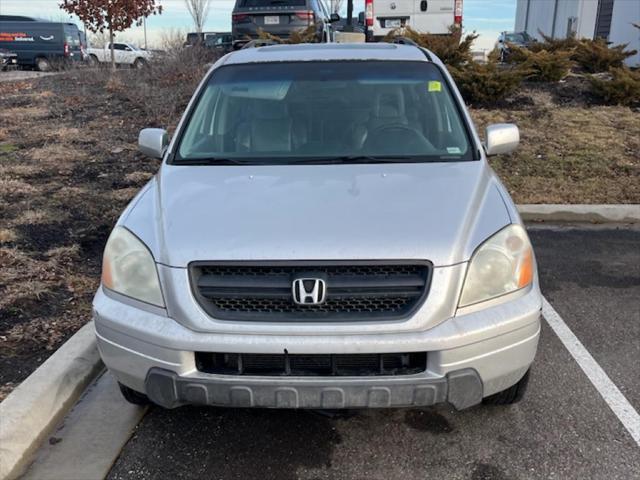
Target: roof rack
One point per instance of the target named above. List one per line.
(404, 41)
(261, 42)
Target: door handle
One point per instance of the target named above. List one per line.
(424, 5)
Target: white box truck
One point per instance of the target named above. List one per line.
(425, 16)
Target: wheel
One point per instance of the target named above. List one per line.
(511, 395)
(43, 64)
(131, 396)
(139, 63)
(93, 61)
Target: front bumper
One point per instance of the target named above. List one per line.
(469, 357)
(462, 389)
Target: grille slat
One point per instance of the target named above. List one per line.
(326, 365)
(355, 291)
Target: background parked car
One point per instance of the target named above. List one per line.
(519, 39)
(222, 43)
(280, 18)
(433, 16)
(197, 38)
(39, 43)
(125, 54)
(8, 60)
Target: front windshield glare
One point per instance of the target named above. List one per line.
(335, 111)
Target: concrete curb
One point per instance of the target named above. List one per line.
(581, 213)
(34, 408)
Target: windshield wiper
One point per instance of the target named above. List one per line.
(214, 161)
(346, 159)
(337, 160)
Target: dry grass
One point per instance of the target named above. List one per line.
(11, 116)
(7, 235)
(571, 154)
(68, 166)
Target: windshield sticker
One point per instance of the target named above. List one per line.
(435, 86)
(454, 150)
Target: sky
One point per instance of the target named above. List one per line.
(486, 17)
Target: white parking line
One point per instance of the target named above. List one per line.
(610, 393)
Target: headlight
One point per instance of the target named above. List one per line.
(128, 268)
(502, 264)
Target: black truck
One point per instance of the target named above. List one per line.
(40, 44)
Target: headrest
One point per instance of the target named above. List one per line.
(390, 104)
(269, 110)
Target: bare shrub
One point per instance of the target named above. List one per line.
(543, 65)
(452, 49)
(597, 56)
(551, 44)
(308, 35)
(620, 87)
(163, 90)
(488, 83)
(591, 55)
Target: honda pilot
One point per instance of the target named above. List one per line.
(324, 232)
(281, 18)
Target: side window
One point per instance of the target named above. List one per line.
(118, 46)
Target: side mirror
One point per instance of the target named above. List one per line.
(501, 138)
(361, 18)
(334, 17)
(153, 142)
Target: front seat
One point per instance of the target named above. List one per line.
(270, 129)
(388, 109)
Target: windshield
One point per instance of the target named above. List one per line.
(328, 111)
(515, 37)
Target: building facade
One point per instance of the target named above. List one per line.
(610, 19)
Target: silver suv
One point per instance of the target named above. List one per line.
(324, 232)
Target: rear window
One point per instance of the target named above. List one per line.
(72, 36)
(272, 3)
(336, 111)
(515, 37)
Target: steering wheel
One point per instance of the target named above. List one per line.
(414, 136)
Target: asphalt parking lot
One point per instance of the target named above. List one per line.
(563, 429)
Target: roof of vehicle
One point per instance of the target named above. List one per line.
(326, 51)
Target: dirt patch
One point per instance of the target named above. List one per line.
(68, 167)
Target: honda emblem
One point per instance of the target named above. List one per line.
(309, 291)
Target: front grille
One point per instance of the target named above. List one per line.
(311, 365)
(355, 291)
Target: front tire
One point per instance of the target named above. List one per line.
(140, 63)
(511, 395)
(132, 396)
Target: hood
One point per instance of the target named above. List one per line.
(434, 211)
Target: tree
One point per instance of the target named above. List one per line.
(199, 10)
(336, 6)
(111, 15)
